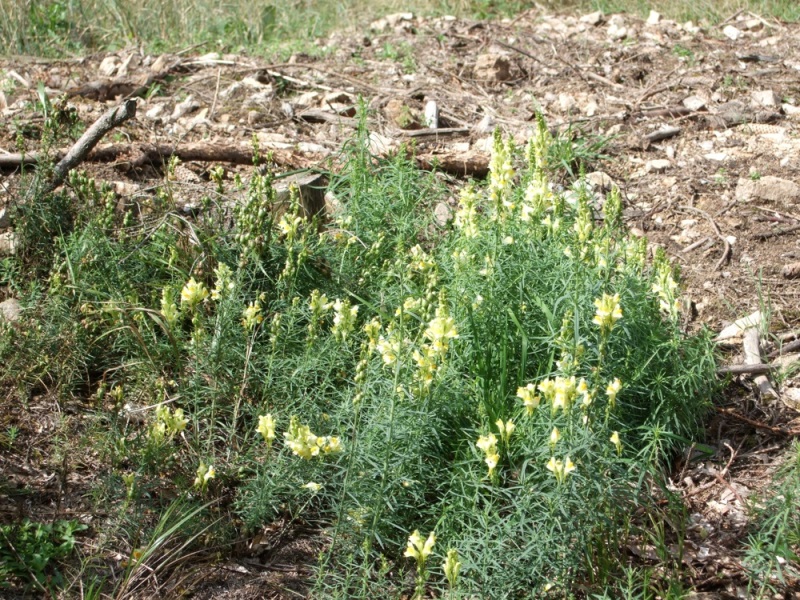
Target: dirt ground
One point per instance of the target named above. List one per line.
(702, 128)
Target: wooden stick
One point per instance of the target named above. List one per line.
(111, 119)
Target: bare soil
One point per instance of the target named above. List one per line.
(706, 193)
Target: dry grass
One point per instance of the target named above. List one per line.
(57, 27)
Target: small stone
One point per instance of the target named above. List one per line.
(653, 18)
(591, 108)
(8, 243)
(694, 103)
(600, 181)
(773, 189)
(616, 28)
(593, 19)
(791, 270)
(732, 33)
(182, 108)
(5, 220)
(442, 214)
(492, 67)
(486, 125)
(790, 109)
(155, 112)
(566, 102)
(765, 98)
(753, 24)
(392, 21)
(108, 66)
(400, 114)
(658, 165)
(11, 310)
(716, 156)
(338, 98)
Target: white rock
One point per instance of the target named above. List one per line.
(738, 327)
(8, 243)
(790, 109)
(598, 180)
(108, 66)
(732, 32)
(5, 221)
(592, 19)
(486, 125)
(769, 188)
(690, 27)
(658, 165)
(694, 103)
(616, 28)
(306, 100)
(566, 102)
(182, 108)
(11, 310)
(154, 112)
(716, 156)
(653, 18)
(765, 98)
(591, 108)
(442, 214)
(431, 115)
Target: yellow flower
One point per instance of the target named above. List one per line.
(487, 443)
(193, 293)
(616, 441)
(266, 427)
(440, 331)
(332, 444)
(491, 461)
(223, 282)
(313, 487)
(505, 429)
(555, 435)
(608, 312)
(251, 316)
(417, 549)
(451, 567)
(529, 399)
(564, 389)
(388, 349)
(344, 319)
(205, 473)
(560, 469)
(612, 390)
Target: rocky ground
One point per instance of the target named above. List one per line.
(700, 126)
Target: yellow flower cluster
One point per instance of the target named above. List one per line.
(561, 392)
(251, 316)
(529, 398)
(612, 390)
(305, 444)
(193, 293)
(440, 331)
(344, 319)
(205, 473)
(608, 312)
(466, 218)
(223, 282)
(665, 287)
(501, 174)
(560, 468)
(420, 260)
(168, 423)
(488, 445)
(419, 550)
(266, 427)
(288, 225)
(168, 308)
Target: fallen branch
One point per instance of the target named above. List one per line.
(142, 154)
(726, 253)
(777, 232)
(111, 119)
(752, 357)
(755, 369)
(757, 424)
